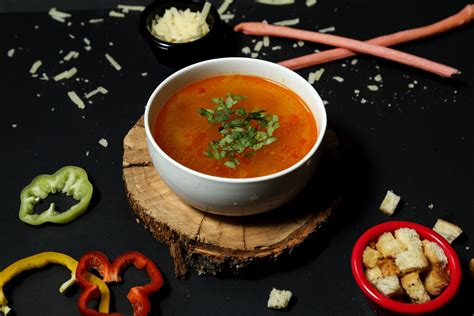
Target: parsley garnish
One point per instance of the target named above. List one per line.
(242, 132)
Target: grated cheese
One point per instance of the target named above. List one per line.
(266, 41)
(224, 6)
(35, 66)
(254, 55)
(127, 8)
(258, 46)
(310, 3)
(227, 17)
(72, 54)
(327, 29)
(318, 74)
(103, 142)
(116, 14)
(92, 21)
(44, 76)
(178, 26)
(76, 100)
(58, 15)
(144, 74)
(276, 2)
(95, 91)
(311, 77)
(373, 87)
(66, 74)
(300, 43)
(113, 62)
(378, 78)
(87, 48)
(354, 62)
(277, 47)
(72, 36)
(11, 52)
(246, 50)
(338, 78)
(287, 22)
(86, 40)
(411, 85)
(363, 101)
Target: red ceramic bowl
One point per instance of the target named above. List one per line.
(454, 268)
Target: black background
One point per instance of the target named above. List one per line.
(417, 142)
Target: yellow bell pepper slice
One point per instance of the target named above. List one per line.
(42, 259)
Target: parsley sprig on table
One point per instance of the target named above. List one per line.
(242, 132)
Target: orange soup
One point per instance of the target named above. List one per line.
(185, 134)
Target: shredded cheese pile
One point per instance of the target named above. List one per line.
(178, 26)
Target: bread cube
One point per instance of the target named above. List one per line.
(279, 299)
(447, 230)
(388, 267)
(434, 253)
(411, 260)
(413, 286)
(409, 237)
(370, 257)
(389, 203)
(389, 286)
(373, 274)
(436, 280)
(388, 246)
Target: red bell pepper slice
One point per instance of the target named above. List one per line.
(110, 272)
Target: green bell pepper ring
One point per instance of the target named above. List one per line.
(69, 180)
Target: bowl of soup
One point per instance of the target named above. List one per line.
(235, 136)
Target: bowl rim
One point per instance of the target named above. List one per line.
(321, 127)
(454, 266)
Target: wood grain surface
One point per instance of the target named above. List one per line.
(212, 244)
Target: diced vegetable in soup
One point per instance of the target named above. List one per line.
(236, 126)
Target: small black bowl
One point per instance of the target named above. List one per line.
(183, 54)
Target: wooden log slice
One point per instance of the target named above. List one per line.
(214, 244)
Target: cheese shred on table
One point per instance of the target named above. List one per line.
(224, 6)
(66, 74)
(76, 100)
(276, 2)
(178, 26)
(288, 22)
(35, 66)
(113, 62)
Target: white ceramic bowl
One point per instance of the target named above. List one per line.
(229, 196)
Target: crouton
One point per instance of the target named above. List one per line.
(434, 253)
(279, 299)
(373, 274)
(409, 237)
(389, 286)
(447, 230)
(370, 257)
(436, 280)
(411, 260)
(388, 246)
(388, 267)
(389, 203)
(413, 286)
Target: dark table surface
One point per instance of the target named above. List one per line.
(417, 141)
